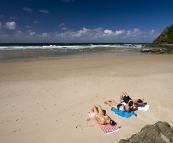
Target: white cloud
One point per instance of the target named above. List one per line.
(135, 30)
(0, 25)
(100, 35)
(83, 33)
(18, 32)
(64, 28)
(27, 26)
(154, 34)
(152, 31)
(62, 24)
(98, 30)
(44, 35)
(128, 32)
(32, 33)
(35, 22)
(1, 16)
(43, 11)
(108, 32)
(27, 9)
(10, 25)
(86, 35)
(119, 32)
(134, 33)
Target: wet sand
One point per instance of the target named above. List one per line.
(31, 55)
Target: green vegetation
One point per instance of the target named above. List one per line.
(166, 37)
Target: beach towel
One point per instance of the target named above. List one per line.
(107, 129)
(124, 114)
(144, 107)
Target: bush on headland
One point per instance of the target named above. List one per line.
(161, 132)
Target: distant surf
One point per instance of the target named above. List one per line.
(45, 51)
(69, 46)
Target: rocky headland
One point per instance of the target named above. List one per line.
(162, 44)
(161, 132)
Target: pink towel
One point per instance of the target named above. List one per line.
(107, 129)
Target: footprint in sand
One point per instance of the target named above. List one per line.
(90, 123)
(59, 120)
(80, 128)
(169, 104)
(155, 102)
(76, 113)
(161, 108)
(17, 130)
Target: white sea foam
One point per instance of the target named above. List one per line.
(74, 47)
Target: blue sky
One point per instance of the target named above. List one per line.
(116, 21)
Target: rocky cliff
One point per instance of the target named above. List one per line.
(161, 132)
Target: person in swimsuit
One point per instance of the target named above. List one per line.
(126, 107)
(100, 116)
(124, 97)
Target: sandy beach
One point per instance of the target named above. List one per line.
(49, 101)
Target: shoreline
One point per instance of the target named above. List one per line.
(42, 55)
(46, 101)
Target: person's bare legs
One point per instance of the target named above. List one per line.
(109, 101)
(125, 94)
(112, 103)
(122, 95)
(94, 110)
(100, 109)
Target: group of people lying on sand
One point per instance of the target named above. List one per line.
(126, 104)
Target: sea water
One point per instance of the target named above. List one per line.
(13, 52)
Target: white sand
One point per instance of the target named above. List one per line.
(48, 101)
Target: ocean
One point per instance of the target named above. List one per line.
(19, 52)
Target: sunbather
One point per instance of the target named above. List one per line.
(124, 97)
(101, 117)
(126, 107)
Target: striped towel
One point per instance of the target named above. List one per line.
(107, 129)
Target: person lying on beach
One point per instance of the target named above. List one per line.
(101, 117)
(120, 106)
(124, 97)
